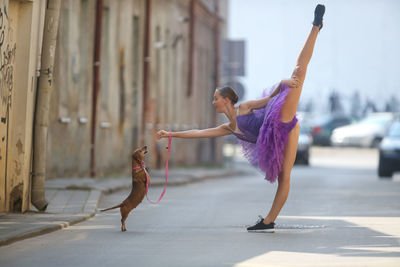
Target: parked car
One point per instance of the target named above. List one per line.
(304, 145)
(365, 133)
(389, 151)
(305, 139)
(322, 129)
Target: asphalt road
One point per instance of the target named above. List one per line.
(339, 213)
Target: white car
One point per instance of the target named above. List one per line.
(365, 133)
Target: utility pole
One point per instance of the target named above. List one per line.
(96, 83)
(43, 103)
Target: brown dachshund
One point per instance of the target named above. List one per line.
(138, 186)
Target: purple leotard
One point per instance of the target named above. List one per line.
(264, 134)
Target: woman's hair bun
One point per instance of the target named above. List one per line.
(228, 92)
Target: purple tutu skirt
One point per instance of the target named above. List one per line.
(267, 152)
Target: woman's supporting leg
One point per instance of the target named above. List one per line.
(289, 108)
(282, 192)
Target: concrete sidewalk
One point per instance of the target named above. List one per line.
(73, 200)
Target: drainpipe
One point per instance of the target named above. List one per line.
(191, 46)
(43, 95)
(216, 74)
(217, 50)
(96, 83)
(146, 66)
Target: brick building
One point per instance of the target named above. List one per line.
(158, 68)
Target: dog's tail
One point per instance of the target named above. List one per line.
(115, 207)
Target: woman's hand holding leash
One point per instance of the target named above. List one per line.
(162, 134)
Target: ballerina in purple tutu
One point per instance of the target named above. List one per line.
(266, 128)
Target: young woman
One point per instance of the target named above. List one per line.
(266, 128)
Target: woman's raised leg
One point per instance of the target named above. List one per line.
(289, 108)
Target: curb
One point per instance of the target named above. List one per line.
(43, 230)
(88, 212)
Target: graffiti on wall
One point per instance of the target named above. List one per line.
(8, 48)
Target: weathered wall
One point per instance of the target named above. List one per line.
(172, 103)
(175, 104)
(120, 110)
(19, 45)
(69, 125)
(119, 105)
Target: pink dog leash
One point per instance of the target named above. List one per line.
(166, 173)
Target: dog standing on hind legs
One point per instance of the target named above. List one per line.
(139, 179)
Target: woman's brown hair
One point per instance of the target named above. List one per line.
(228, 92)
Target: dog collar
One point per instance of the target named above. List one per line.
(140, 167)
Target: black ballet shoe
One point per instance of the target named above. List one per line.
(318, 16)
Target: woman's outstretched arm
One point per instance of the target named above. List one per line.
(205, 133)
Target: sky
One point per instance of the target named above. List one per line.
(358, 48)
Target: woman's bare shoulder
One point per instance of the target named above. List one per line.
(245, 107)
